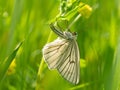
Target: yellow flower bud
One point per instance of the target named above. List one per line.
(85, 10)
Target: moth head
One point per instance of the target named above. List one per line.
(74, 33)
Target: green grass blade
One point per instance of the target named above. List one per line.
(116, 69)
(5, 65)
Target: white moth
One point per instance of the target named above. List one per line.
(63, 54)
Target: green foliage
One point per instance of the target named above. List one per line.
(98, 40)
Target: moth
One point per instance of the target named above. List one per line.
(63, 54)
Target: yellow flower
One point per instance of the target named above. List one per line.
(11, 68)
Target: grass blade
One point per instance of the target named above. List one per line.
(116, 69)
(5, 65)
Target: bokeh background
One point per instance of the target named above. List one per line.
(98, 40)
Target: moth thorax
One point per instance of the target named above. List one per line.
(69, 35)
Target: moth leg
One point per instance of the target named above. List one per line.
(57, 31)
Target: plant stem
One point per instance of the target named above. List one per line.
(41, 67)
(74, 21)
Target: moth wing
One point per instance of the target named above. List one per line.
(53, 51)
(70, 66)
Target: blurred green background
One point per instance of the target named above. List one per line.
(27, 21)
